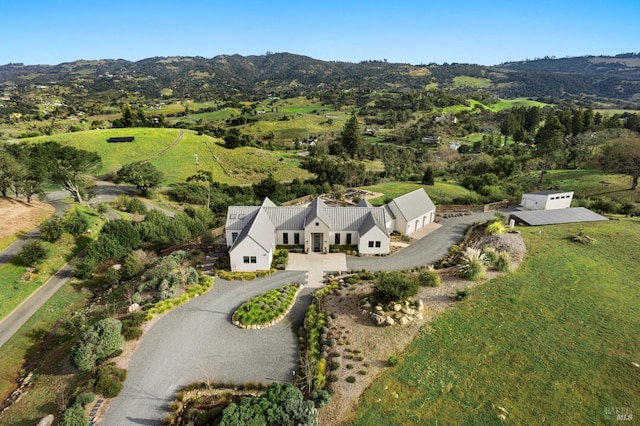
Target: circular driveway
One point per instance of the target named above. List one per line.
(197, 341)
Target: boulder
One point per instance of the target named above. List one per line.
(389, 321)
(117, 266)
(404, 320)
(378, 308)
(134, 307)
(420, 305)
(397, 307)
(419, 316)
(408, 311)
(46, 420)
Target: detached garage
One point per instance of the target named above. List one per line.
(547, 200)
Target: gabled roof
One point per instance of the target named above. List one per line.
(370, 223)
(413, 204)
(318, 210)
(261, 230)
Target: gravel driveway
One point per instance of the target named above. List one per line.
(423, 252)
(197, 341)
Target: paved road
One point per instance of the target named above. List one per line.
(12, 323)
(423, 252)
(197, 341)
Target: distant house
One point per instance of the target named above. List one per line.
(547, 200)
(446, 118)
(253, 232)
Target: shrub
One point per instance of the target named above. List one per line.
(85, 398)
(33, 253)
(102, 208)
(351, 379)
(491, 254)
(131, 333)
(280, 259)
(85, 268)
(321, 398)
(473, 265)
(75, 222)
(495, 228)
(100, 341)
(503, 262)
(112, 276)
(132, 264)
(394, 286)
(124, 232)
(52, 229)
(136, 206)
(392, 361)
(429, 277)
(110, 380)
(74, 416)
(267, 306)
(462, 293)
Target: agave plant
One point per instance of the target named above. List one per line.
(473, 265)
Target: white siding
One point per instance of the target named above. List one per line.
(374, 235)
(559, 201)
(249, 248)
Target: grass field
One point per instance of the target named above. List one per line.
(553, 342)
(239, 166)
(467, 81)
(440, 193)
(13, 291)
(52, 377)
(585, 184)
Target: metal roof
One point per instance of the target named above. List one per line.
(556, 216)
(548, 192)
(414, 204)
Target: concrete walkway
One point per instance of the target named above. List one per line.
(315, 265)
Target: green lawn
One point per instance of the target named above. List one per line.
(551, 342)
(238, 166)
(440, 193)
(584, 183)
(468, 81)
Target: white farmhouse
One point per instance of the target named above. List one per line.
(547, 200)
(253, 232)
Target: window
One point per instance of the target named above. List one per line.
(233, 216)
(253, 259)
(371, 244)
(245, 259)
(317, 223)
(296, 238)
(234, 237)
(337, 238)
(285, 238)
(349, 238)
(377, 244)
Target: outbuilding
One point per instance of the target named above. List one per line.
(547, 200)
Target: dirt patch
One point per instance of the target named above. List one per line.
(364, 348)
(20, 216)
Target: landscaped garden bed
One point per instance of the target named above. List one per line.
(268, 308)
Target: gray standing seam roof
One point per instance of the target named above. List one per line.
(557, 216)
(414, 204)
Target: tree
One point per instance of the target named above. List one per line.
(11, 172)
(67, 165)
(204, 177)
(549, 146)
(351, 138)
(623, 156)
(428, 178)
(142, 174)
(52, 229)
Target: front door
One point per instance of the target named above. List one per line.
(317, 243)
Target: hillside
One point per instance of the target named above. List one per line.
(105, 82)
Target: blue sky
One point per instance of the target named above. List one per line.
(481, 32)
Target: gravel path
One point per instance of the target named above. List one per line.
(197, 341)
(423, 252)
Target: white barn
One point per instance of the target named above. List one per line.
(547, 200)
(253, 232)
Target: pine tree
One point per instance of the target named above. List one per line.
(351, 138)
